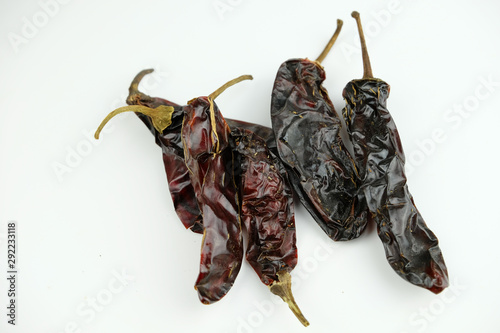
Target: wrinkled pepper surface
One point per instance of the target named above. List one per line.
(210, 161)
(410, 246)
(306, 127)
(179, 182)
(268, 215)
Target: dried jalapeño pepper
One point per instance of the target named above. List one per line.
(268, 215)
(210, 160)
(306, 127)
(410, 246)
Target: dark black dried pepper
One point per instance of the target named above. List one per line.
(321, 169)
(410, 246)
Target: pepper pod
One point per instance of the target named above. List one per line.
(266, 199)
(170, 141)
(208, 156)
(265, 193)
(307, 131)
(410, 246)
(179, 181)
(268, 215)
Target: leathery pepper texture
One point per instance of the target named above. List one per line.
(223, 174)
(170, 141)
(210, 161)
(268, 215)
(272, 257)
(410, 246)
(306, 127)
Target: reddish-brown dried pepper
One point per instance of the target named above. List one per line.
(179, 182)
(410, 246)
(308, 140)
(209, 159)
(268, 215)
(265, 205)
(208, 156)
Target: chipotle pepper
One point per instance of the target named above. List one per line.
(308, 140)
(268, 215)
(410, 246)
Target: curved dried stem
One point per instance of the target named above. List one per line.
(161, 116)
(328, 46)
(283, 288)
(367, 68)
(219, 91)
(133, 90)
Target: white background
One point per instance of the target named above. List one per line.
(90, 210)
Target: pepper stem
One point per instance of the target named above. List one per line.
(328, 46)
(133, 90)
(367, 68)
(219, 91)
(283, 288)
(161, 116)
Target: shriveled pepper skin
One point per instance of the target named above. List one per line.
(261, 131)
(179, 182)
(410, 246)
(267, 214)
(209, 158)
(266, 207)
(321, 169)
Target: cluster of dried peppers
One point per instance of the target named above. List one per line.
(223, 177)
(228, 177)
(307, 131)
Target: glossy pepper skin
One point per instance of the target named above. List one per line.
(321, 169)
(410, 246)
(209, 158)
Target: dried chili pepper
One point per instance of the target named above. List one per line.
(410, 246)
(173, 153)
(209, 158)
(268, 215)
(179, 182)
(306, 128)
(181, 191)
(274, 257)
